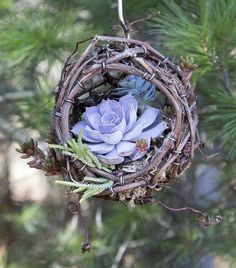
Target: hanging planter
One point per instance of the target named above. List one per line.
(133, 112)
(124, 123)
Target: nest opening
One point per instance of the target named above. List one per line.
(93, 78)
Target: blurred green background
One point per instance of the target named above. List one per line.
(36, 228)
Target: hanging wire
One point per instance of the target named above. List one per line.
(123, 23)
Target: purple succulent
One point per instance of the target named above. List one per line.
(112, 129)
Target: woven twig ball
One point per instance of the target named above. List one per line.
(89, 80)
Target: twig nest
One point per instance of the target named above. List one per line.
(134, 113)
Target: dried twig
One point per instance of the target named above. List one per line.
(202, 218)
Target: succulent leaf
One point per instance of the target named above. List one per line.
(115, 137)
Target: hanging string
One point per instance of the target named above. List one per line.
(123, 23)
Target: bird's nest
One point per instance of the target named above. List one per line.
(91, 78)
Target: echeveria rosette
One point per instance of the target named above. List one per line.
(141, 89)
(112, 128)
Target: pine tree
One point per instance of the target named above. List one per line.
(204, 30)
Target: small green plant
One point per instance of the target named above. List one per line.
(90, 186)
(80, 151)
(187, 63)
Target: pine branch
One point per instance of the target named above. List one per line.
(205, 32)
(226, 81)
(18, 95)
(221, 120)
